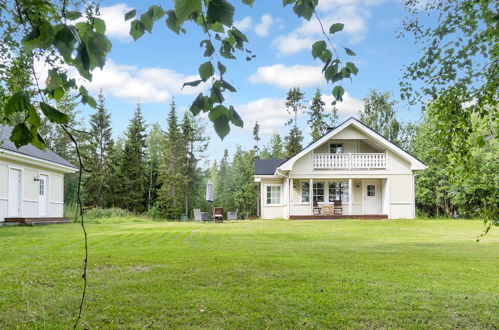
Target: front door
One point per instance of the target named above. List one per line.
(14, 193)
(42, 195)
(372, 196)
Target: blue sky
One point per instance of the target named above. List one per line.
(151, 70)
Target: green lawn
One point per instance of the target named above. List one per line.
(253, 274)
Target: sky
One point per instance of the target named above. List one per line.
(151, 71)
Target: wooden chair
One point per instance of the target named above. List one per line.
(218, 214)
(316, 209)
(338, 207)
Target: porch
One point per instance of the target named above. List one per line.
(35, 221)
(338, 198)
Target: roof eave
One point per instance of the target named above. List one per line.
(21, 157)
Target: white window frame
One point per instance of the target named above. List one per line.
(337, 144)
(302, 190)
(343, 191)
(314, 190)
(280, 194)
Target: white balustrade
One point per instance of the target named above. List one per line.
(350, 161)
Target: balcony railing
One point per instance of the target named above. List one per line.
(347, 161)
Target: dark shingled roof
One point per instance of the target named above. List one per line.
(29, 150)
(267, 166)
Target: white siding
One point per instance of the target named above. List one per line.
(401, 197)
(272, 211)
(30, 188)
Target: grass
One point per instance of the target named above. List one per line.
(252, 274)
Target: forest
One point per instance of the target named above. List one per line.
(163, 173)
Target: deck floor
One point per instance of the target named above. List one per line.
(339, 217)
(34, 221)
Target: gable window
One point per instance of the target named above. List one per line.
(305, 192)
(336, 148)
(274, 195)
(318, 188)
(338, 190)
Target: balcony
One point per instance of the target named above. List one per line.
(347, 161)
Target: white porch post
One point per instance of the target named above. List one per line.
(286, 198)
(310, 194)
(350, 196)
(291, 193)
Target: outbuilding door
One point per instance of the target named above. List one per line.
(14, 193)
(42, 195)
(371, 196)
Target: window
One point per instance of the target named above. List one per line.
(273, 195)
(338, 190)
(371, 190)
(318, 191)
(305, 192)
(336, 148)
(41, 187)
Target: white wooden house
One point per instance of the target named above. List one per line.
(31, 182)
(369, 175)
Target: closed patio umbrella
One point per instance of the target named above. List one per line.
(209, 192)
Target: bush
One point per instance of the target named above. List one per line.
(113, 212)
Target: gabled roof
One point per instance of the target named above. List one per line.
(267, 166)
(416, 164)
(30, 150)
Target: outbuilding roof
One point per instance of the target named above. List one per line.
(267, 166)
(29, 150)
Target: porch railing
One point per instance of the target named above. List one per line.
(350, 161)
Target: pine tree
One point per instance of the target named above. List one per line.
(132, 168)
(378, 113)
(256, 137)
(97, 184)
(241, 178)
(172, 175)
(294, 104)
(319, 120)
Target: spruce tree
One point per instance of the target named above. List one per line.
(194, 145)
(172, 176)
(275, 149)
(97, 183)
(132, 168)
(154, 142)
(319, 121)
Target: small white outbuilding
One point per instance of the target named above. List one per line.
(31, 182)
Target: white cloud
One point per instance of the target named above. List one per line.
(292, 43)
(263, 28)
(244, 24)
(116, 26)
(269, 112)
(349, 107)
(353, 13)
(143, 85)
(288, 76)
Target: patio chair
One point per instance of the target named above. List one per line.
(218, 214)
(232, 215)
(338, 207)
(316, 209)
(201, 216)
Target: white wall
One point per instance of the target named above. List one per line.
(29, 171)
(272, 211)
(401, 197)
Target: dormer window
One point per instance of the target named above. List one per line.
(336, 148)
